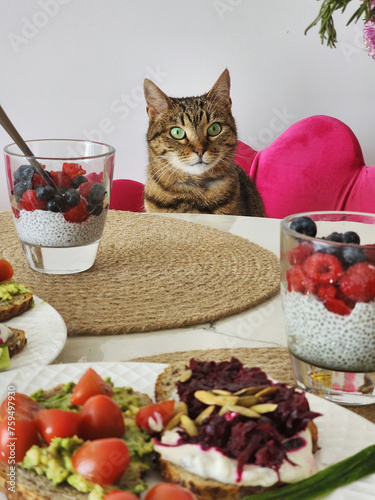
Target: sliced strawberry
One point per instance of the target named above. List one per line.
(73, 170)
(358, 282)
(299, 254)
(78, 213)
(337, 306)
(30, 201)
(298, 281)
(323, 268)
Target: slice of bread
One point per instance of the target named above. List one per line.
(204, 489)
(17, 343)
(15, 306)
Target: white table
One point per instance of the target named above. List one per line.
(261, 326)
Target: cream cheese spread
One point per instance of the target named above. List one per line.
(212, 464)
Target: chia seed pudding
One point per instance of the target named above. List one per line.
(329, 340)
(50, 229)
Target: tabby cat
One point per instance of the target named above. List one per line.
(191, 143)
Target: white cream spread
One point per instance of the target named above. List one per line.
(6, 334)
(212, 464)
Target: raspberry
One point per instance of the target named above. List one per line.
(30, 202)
(38, 181)
(73, 169)
(358, 282)
(299, 254)
(326, 292)
(84, 188)
(78, 213)
(323, 268)
(61, 179)
(337, 306)
(298, 281)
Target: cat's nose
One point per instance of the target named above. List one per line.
(200, 152)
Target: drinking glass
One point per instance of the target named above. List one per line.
(328, 292)
(60, 226)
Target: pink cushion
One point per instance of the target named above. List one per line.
(316, 164)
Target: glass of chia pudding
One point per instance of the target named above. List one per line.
(328, 298)
(60, 215)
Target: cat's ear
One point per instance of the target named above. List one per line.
(156, 100)
(221, 90)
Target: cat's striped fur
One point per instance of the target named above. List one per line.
(195, 171)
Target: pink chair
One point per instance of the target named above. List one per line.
(316, 164)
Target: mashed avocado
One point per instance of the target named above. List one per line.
(8, 289)
(55, 463)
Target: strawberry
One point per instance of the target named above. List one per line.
(337, 306)
(78, 213)
(358, 282)
(61, 179)
(73, 170)
(298, 281)
(30, 202)
(323, 268)
(299, 254)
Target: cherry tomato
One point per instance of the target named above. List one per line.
(23, 406)
(102, 461)
(89, 385)
(167, 491)
(13, 450)
(120, 495)
(101, 417)
(57, 423)
(6, 270)
(153, 418)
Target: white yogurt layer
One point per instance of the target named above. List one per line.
(49, 229)
(325, 339)
(212, 464)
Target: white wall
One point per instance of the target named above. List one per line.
(75, 69)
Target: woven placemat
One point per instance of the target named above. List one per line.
(274, 361)
(152, 273)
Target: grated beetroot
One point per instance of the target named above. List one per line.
(263, 441)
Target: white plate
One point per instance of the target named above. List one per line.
(341, 432)
(46, 335)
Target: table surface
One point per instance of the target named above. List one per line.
(261, 326)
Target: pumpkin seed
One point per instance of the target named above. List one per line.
(189, 426)
(221, 392)
(174, 421)
(246, 412)
(211, 399)
(181, 407)
(204, 414)
(186, 375)
(247, 401)
(268, 390)
(264, 408)
(248, 391)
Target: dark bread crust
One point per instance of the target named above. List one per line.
(166, 381)
(18, 305)
(17, 343)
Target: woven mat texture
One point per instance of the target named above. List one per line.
(152, 273)
(273, 360)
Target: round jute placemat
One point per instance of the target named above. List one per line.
(152, 273)
(274, 361)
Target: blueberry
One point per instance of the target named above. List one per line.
(21, 187)
(352, 255)
(335, 236)
(351, 237)
(44, 193)
(304, 225)
(94, 209)
(23, 173)
(72, 197)
(78, 180)
(96, 194)
(57, 204)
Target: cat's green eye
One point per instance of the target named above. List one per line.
(214, 129)
(177, 133)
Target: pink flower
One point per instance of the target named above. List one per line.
(369, 37)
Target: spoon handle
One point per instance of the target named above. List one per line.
(12, 131)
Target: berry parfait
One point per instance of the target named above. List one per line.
(60, 215)
(328, 299)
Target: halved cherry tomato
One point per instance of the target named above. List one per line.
(89, 385)
(23, 406)
(153, 418)
(16, 437)
(102, 461)
(167, 491)
(120, 495)
(6, 270)
(101, 417)
(54, 422)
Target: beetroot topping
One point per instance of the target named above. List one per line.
(263, 439)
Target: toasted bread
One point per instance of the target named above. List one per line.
(17, 343)
(15, 306)
(204, 489)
